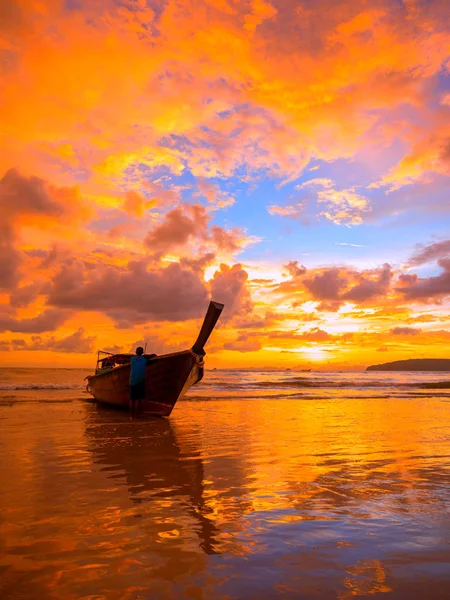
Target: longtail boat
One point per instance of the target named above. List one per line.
(168, 377)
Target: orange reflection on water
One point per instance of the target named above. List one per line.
(249, 498)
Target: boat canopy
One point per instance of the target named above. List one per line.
(107, 361)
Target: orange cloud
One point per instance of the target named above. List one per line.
(243, 344)
(30, 199)
(350, 64)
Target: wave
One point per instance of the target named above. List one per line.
(291, 384)
(303, 382)
(436, 385)
(311, 396)
(39, 386)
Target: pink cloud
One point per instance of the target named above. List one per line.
(130, 295)
(76, 342)
(293, 269)
(49, 320)
(229, 286)
(189, 224)
(243, 343)
(333, 286)
(370, 288)
(178, 226)
(327, 286)
(405, 331)
(427, 289)
(198, 265)
(431, 253)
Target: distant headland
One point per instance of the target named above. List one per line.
(414, 364)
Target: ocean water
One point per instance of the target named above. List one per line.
(268, 484)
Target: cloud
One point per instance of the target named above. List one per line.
(315, 334)
(368, 289)
(334, 286)
(226, 240)
(236, 68)
(212, 192)
(10, 261)
(324, 182)
(351, 245)
(243, 343)
(176, 228)
(22, 196)
(254, 322)
(135, 204)
(26, 294)
(189, 224)
(132, 294)
(76, 342)
(244, 110)
(114, 349)
(327, 286)
(343, 207)
(293, 269)
(229, 286)
(33, 201)
(198, 265)
(156, 345)
(429, 155)
(296, 211)
(427, 289)
(405, 331)
(427, 254)
(49, 320)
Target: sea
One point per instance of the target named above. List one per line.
(261, 484)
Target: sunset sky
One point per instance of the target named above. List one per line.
(289, 158)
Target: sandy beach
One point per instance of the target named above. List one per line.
(236, 497)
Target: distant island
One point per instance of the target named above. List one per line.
(414, 364)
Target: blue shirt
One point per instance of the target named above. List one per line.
(138, 364)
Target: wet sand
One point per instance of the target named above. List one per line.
(240, 498)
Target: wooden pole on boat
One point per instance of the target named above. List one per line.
(209, 322)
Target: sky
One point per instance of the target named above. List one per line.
(290, 159)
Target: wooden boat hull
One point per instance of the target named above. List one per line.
(168, 378)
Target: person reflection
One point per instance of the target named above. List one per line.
(155, 465)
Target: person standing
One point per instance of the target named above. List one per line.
(137, 379)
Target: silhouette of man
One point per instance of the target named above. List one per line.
(137, 380)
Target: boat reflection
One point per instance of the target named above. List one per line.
(163, 472)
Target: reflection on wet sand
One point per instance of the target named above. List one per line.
(158, 465)
(227, 499)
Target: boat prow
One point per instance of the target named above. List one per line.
(168, 377)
